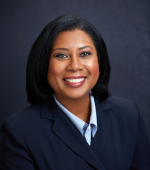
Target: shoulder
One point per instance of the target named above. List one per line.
(122, 110)
(121, 104)
(23, 121)
(124, 116)
(30, 119)
(31, 112)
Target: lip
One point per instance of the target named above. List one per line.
(75, 77)
(75, 84)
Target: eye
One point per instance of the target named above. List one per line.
(85, 54)
(61, 56)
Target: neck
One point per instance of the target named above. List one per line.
(80, 107)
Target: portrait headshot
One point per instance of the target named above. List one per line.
(82, 99)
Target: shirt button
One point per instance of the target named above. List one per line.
(89, 127)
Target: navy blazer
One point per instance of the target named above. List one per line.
(42, 137)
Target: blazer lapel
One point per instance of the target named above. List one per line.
(99, 141)
(70, 135)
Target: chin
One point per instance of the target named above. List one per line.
(77, 95)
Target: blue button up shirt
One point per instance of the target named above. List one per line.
(87, 130)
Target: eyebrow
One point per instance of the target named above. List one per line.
(66, 49)
(85, 47)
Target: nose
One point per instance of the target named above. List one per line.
(75, 64)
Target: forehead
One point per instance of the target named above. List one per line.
(73, 38)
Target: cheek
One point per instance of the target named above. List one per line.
(53, 73)
(52, 70)
(94, 67)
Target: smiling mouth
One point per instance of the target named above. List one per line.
(74, 81)
(77, 80)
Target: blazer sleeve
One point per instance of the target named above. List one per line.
(141, 158)
(14, 154)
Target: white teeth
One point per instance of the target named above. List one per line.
(74, 80)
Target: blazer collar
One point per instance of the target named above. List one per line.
(103, 120)
(48, 109)
(68, 133)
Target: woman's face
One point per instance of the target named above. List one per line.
(73, 66)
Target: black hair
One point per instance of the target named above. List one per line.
(37, 86)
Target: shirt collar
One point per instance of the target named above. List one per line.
(93, 118)
(80, 124)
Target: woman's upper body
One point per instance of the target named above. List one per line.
(43, 137)
(68, 60)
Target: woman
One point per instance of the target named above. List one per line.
(73, 123)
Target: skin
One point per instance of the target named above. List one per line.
(73, 54)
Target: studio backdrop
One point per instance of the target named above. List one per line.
(123, 24)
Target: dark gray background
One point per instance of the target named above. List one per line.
(124, 25)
